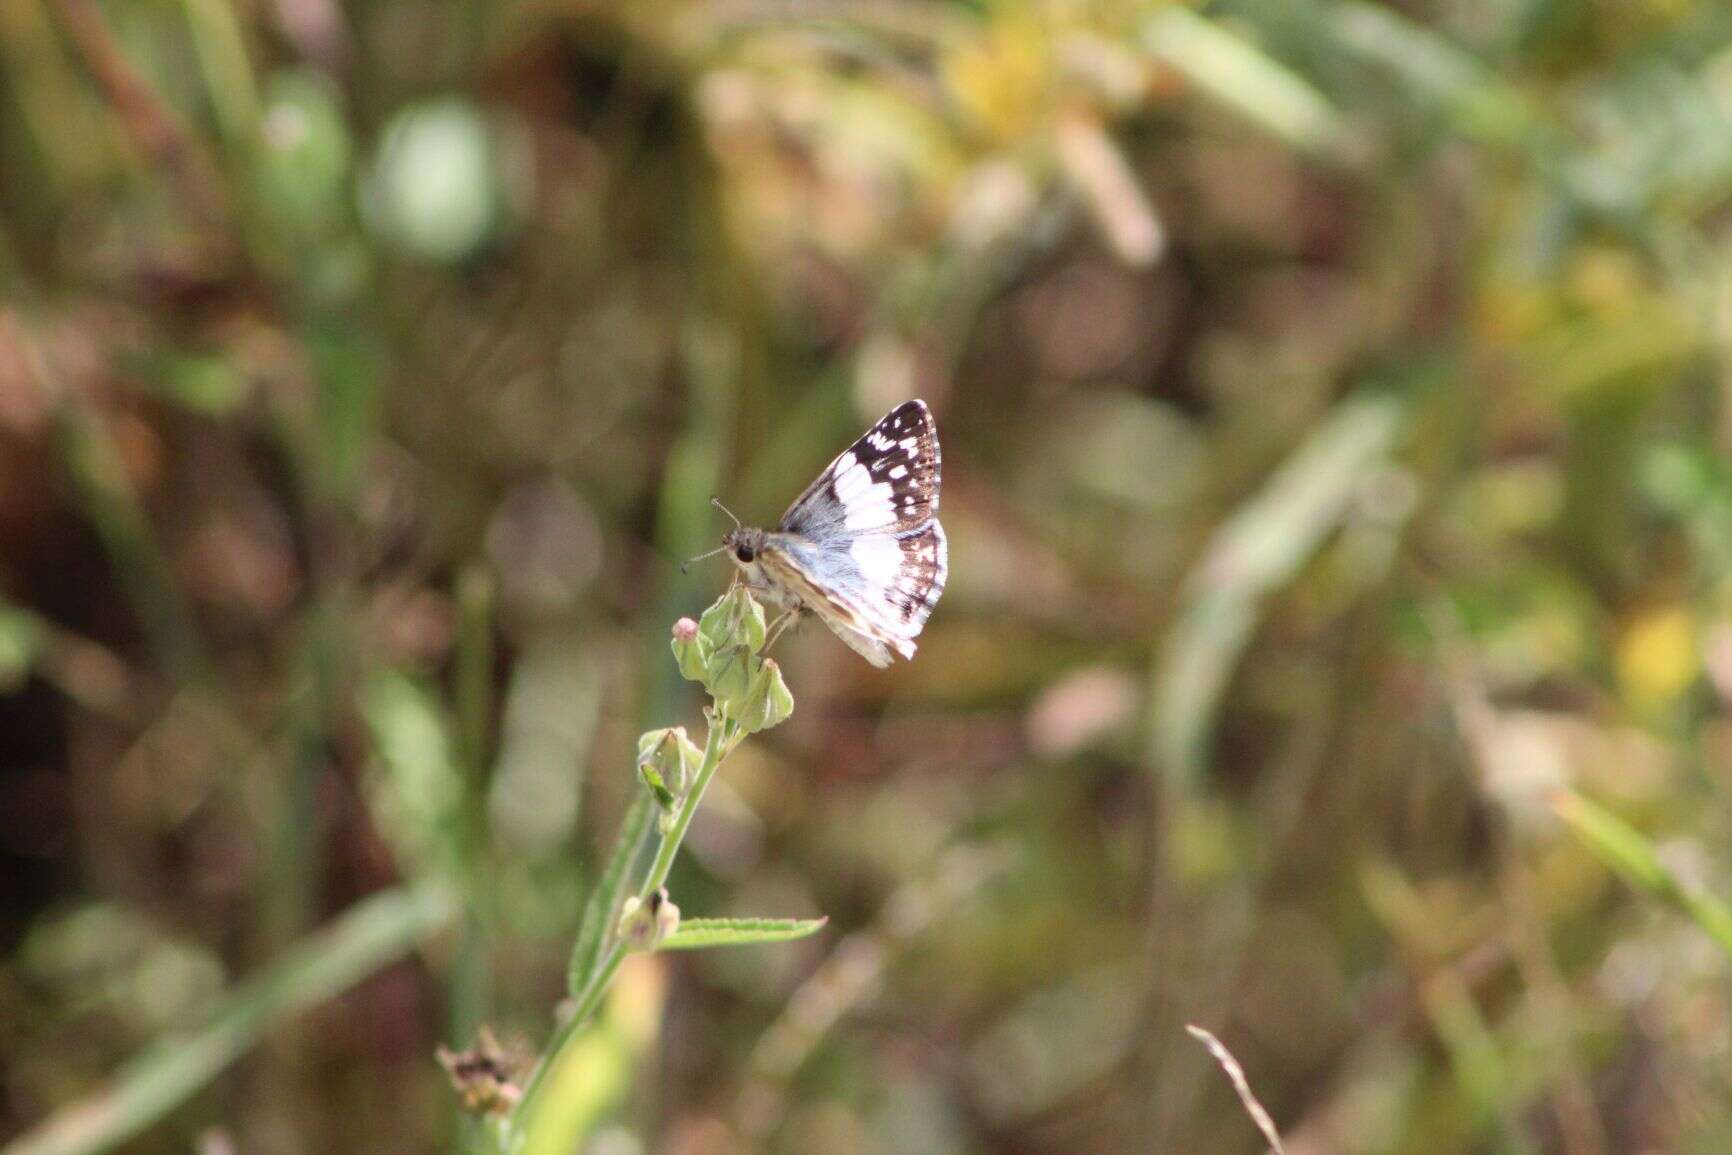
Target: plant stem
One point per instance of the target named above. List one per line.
(724, 734)
(592, 994)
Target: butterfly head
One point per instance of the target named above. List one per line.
(743, 544)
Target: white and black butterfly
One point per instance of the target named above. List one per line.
(862, 547)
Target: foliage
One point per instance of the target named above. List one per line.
(1335, 422)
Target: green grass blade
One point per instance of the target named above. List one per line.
(1258, 550)
(415, 788)
(357, 943)
(1629, 853)
(1239, 76)
(140, 563)
(1434, 70)
(219, 43)
(1482, 1072)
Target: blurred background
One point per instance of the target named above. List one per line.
(1335, 407)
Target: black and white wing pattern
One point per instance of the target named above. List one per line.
(862, 546)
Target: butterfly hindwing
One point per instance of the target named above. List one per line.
(845, 616)
(920, 578)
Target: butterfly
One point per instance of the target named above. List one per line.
(862, 547)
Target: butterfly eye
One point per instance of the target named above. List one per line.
(744, 553)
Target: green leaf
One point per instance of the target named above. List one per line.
(202, 381)
(703, 933)
(1615, 842)
(302, 173)
(552, 712)
(607, 895)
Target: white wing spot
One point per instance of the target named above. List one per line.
(898, 472)
(851, 478)
(866, 504)
(879, 557)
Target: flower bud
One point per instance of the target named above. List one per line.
(691, 650)
(736, 619)
(666, 761)
(645, 924)
(732, 672)
(767, 703)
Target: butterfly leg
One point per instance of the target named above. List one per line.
(780, 625)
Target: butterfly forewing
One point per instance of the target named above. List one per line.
(887, 480)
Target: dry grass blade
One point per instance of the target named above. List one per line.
(139, 110)
(1236, 1073)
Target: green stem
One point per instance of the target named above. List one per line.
(597, 988)
(723, 736)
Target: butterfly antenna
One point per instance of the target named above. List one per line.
(684, 565)
(717, 502)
